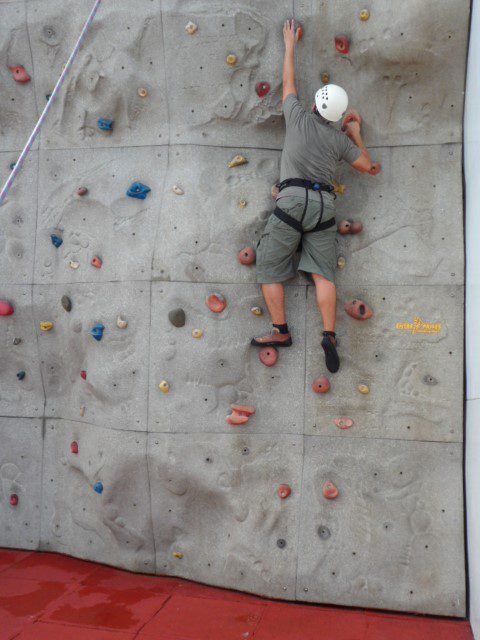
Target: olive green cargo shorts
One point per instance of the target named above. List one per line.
(278, 243)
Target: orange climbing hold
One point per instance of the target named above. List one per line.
(325, 77)
(216, 302)
(96, 262)
(330, 491)
(376, 168)
(240, 414)
(284, 490)
(6, 308)
(321, 385)
(358, 310)
(357, 227)
(19, 74)
(268, 356)
(343, 423)
(346, 227)
(74, 447)
(342, 44)
(247, 256)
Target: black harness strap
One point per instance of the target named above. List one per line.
(298, 224)
(295, 224)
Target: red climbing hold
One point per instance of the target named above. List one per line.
(284, 491)
(82, 191)
(321, 385)
(330, 491)
(358, 310)
(262, 88)
(235, 420)
(240, 414)
(74, 447)
(342, 45)
(344, 227)
(6, 308)
(343, 423)
(96, 262)
(247, 256)
(216, 302)
(83, 374)
(376, 168)
(357, 227)
(298, 29)
(19, 74)
(14, 499)
(268, 356)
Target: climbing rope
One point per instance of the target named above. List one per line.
(58, 86)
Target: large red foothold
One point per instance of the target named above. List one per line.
(14, 499)
(284, 490)
(357, 227)
(247, 256)
(321, 385)
(358, 310)
(330, 491)
(74, 447)
(216, 302)
(262, 88)
(344, 227)
(343, 423)
(240, 414)
(6, 308)
(83, 374)
(342, 44)
(19, 74)
(376, 168)
(268, 356)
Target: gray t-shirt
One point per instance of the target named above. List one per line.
(312, 147)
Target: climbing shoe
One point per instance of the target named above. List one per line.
(330, 348)
(275, 339)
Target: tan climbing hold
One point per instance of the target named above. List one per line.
(363, 388)
(231, 59)
(337, 187)
(178, 190)
(73, 264)
(325, 77)
(82, 411)
(330, 491)
(321, 385)
(142, 92)
(191, 28)
(121, 322)
(358, 310)
(341, 262)
(242, 204)
(257, 311)
(46, 326)
(178, 554)
(364, 15)
(237, 161)
(197, 333)
(164, 386)
(343, 423)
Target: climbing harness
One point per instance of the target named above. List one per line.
(53, 95)
(298, 224)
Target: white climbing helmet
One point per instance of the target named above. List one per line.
(331, 102)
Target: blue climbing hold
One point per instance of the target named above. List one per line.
(97, 331)
(21, 375)
(138, 190)
(56, 240)
(98, 487)
(105, 125)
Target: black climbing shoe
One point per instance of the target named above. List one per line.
(331, 356)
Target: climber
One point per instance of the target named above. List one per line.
(304, 215)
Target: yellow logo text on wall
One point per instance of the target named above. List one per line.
(419, 326)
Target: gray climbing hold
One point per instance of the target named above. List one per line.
(17, 341)
(323, 532)
(281, 543)
(430, 380)
(245, 451)
(177, 317)
(66, 303)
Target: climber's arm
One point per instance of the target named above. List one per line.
(363, 163)
(289, 37)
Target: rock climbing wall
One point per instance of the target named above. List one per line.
(114, 444)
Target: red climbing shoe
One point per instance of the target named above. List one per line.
(275, 339)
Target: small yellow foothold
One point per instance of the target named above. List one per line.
(164, 386)
(337, 187)
(82, 411)
(177, 554)
(237, 161)
(190, 28)
(325, 78)
(197, 333)
(363, 388)
(364, 15)
(74, 265)
(178, 190)
(231, 59)
(242, 204)
(121, 322)
(142, 92)
(257, 311)
(46, 326)
(341, 262)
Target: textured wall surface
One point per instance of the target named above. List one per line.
(102, 463)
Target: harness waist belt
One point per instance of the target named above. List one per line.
(295, 224)
(306, 184)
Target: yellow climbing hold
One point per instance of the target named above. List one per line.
(341, 262)
(190, 28)
(82, 411)
(237, 161)
(197, 333)
(177, 554)
(325, 78)
(142, 92)
(337, 187)
(121, 322)
(74, 264)
(363, 388)
(231, 59)
(242, 204)
(46, 326)
(364, 15)
(178, 190)
(257, 311)
(164, 386)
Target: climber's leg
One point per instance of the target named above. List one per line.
(327, 303)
